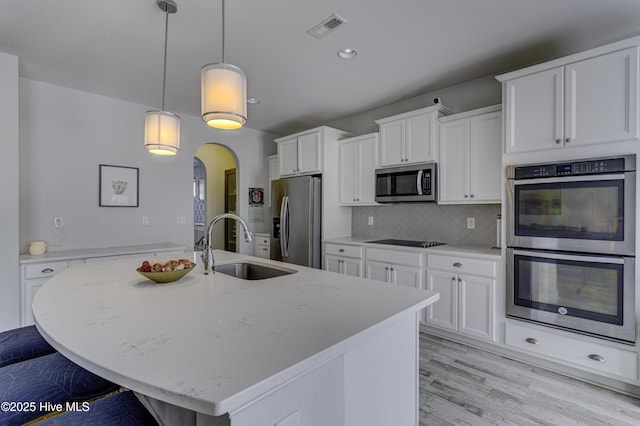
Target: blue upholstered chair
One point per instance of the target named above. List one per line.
(21, 344)
(122, 408)
(49, 379)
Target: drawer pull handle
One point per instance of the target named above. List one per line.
(532, 341)
(457, 265)
(46, 271)
(341, 250)
(597, 358)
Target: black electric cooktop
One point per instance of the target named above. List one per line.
(407, 243)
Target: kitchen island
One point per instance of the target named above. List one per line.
(312, 347)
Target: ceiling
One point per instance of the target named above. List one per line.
(405, 48)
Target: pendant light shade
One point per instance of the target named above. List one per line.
(223, 92)
(223, 96)
(162, 132)
(162, 128)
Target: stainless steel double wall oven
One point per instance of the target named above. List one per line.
(571, 245)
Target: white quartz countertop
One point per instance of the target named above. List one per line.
(211, 343)
(483, 252)
(99, 252)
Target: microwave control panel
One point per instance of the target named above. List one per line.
(588, 167)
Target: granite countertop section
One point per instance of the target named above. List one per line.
(100, 252)
(481, 252)
(212, 343)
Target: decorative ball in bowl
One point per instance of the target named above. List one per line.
(166, 272)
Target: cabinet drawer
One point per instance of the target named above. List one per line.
(343, 250)
(262, 251)
(594, 356)
(396, 257)
(465, 265)
(49, 269)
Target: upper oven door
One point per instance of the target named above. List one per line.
(594, 213)
(406, 183)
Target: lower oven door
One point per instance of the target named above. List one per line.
(589, 294)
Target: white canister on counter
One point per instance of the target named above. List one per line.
(37, 247)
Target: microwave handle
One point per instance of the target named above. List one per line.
(419, 182)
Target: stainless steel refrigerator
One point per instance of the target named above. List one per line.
(296, 223)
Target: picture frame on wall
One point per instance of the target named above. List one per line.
(118, 186)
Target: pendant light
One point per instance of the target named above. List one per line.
(162, 128)
(223, 92)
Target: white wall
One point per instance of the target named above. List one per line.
(462, 97)
(66, 134)
(9, 126)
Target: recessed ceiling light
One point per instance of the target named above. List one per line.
(253, 101)
(347, 53)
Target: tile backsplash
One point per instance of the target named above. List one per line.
(426, 221)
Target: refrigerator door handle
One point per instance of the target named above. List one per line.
(284, 227)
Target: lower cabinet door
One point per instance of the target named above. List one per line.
(476, 304)
(443, 313)
(352, 267)
(406, 275)
(377, 271)
(332, 264)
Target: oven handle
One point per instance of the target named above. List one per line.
(563, 256)
(617, 176)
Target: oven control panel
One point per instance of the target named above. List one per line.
(587, 167)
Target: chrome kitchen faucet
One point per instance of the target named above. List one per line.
(207, 251)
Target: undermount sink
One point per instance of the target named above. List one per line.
(252, 271)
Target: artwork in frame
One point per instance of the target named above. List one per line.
(118, 186)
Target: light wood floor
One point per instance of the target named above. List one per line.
(460, 385)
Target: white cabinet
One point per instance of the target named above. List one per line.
(357, 161)
(395, 266)
(301, 154)
(34, 273)
(467, 295)
(262, 245)
(602, 358)
(470, 169)
(343, 259)
(411, 137)
(582, 102)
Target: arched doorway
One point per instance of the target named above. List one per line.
(219, 196)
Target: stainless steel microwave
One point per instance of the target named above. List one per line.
(410, 183)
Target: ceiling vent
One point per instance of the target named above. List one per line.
(332, 23)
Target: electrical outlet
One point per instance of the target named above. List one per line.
(471, 223)
(370, 220)
(58, 222)
(145, 220)
(182, 220)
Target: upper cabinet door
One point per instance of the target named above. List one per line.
(485, 158)
(367, 163)
(419, 138)
(601, 99)
(288, 157)
(454, 161)
(310, 153)
(534, 111)
(347, 169)
(392, 143)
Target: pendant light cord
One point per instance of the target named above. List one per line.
(164, 71)
(223, 30)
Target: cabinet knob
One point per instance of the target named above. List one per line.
(567, 140)
(597, 358)
(453, 279)
(264, 249)
(46, 271)
(471, 195)
(466, 196)
(558, 141)
(532, 341)
(386, 268)
(457, 265)
(341, 250)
